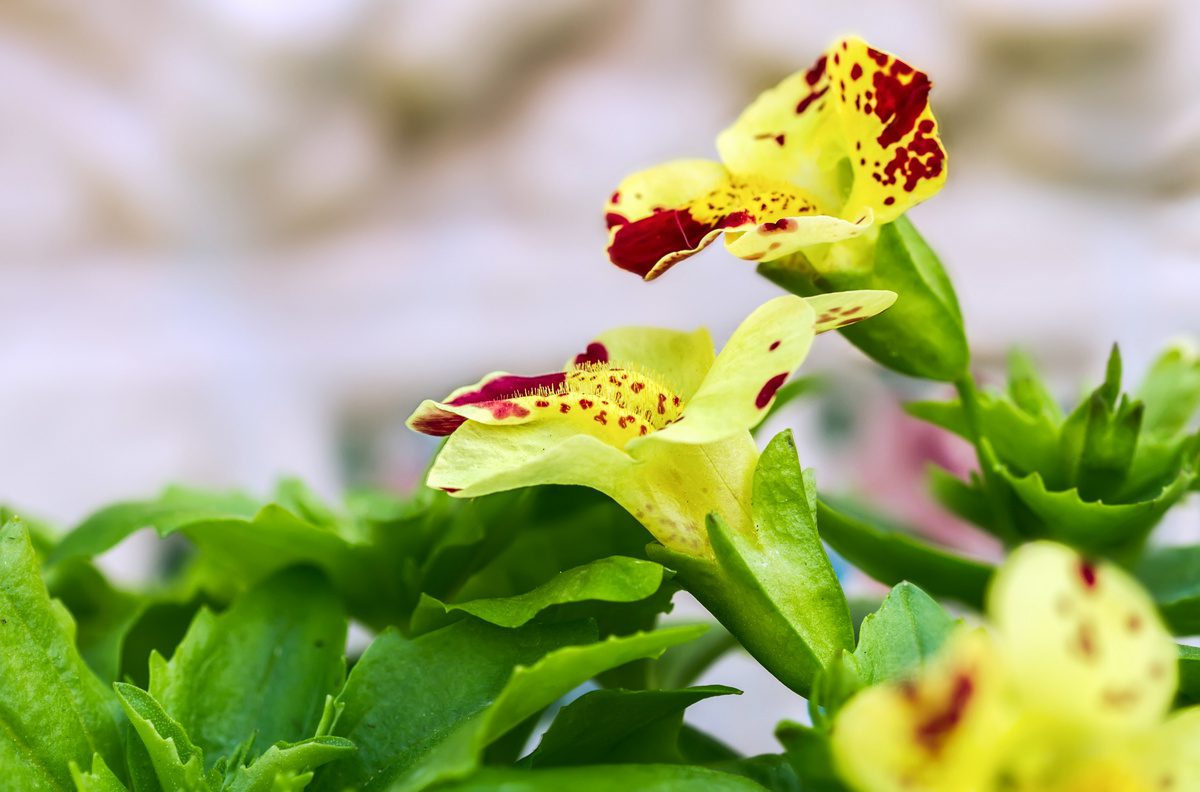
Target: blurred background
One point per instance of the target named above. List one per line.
(240, 239)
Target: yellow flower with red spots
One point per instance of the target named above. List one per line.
(826, 156)
(1068, 691)
(650, 417)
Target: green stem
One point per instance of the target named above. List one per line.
(995, 490)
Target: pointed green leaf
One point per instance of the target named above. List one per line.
(908, 629)
(288, 766)
(892, 557)
(263, 667)
(405, 696)
(680, 666)
(53, 709)
(103, 614)
(178, 763)
(1093, 526)
(100, 779)
(809, 753)
(1171, 392)
(612, 579)
(616, 726)
(527, 692)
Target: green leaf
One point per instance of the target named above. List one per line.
(178, 763)
(288, 767)
(1022, 441)
(613, 579)
(1029, 392)
(967, 501)
(643, 778)
(103, 614)
(891, 557)
(100, 779)
(263, 667)
(908, 629)
(809, 752)
(53, 709)
(775, 591)
(1189, 673)
(528, 691)
(1094, 526)
(921, 335)
(404, 696)
(1172, 575)
(173, 509)
(620, 726)
(1171, 392)
(770, 771)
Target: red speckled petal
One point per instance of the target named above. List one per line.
(888, 129)
(761, 354)
(663, 215)
(773, 240)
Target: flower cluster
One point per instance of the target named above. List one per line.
(1067, 690)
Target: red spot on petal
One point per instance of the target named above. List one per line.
(782, 224)
(542, 403)
(450, 489)
(815, 73)
(808, 100)
(564, 408)
(889, 201)
(933, 731)
(615, 198)
(768, 390)
(502, 410)
(1087, 573)
(595, 353)
(855, 73)
(585, 404)
(774, 346)
(601, 417)
(780, 138)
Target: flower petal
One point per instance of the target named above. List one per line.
(761, 354)
(663, 215)
(940, 732)
(840, 309)
(480, 459)
(771, 240)
(888, 130)
(1083, 640)
(493, 399)
(675, 358)
(790, 132)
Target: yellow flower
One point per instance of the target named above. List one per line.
(649, 417)
(823, 157)
(1068, 692)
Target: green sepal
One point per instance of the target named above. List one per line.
(775, 591)
(921, 335)
(809, 752)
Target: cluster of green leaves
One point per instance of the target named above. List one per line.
(1100, 477)
(229, 671)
